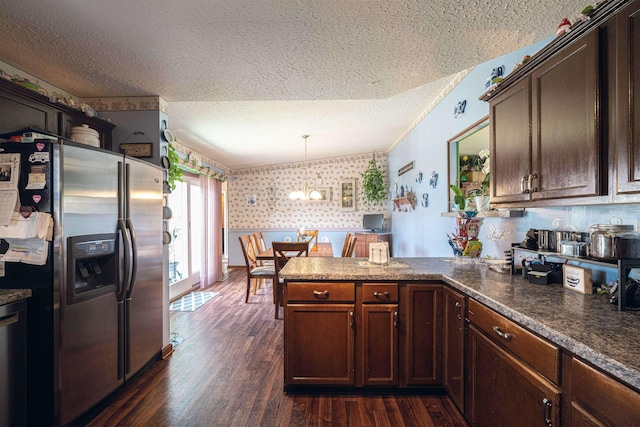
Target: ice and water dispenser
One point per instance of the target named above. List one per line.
(93, 267)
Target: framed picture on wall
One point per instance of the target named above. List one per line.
(348, 195)
(325, 193)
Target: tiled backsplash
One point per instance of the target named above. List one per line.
(259, 197)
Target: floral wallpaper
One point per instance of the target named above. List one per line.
(259, 197)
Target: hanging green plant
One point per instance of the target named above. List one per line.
(375, 191)
(174, 172)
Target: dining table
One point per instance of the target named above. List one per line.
(320, 249)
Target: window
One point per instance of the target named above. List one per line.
(186, 227)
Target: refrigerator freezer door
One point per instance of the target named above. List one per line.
(86, 188)
(143, 305)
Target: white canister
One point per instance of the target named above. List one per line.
(85, 135)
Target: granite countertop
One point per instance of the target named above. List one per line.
(586, 325)
(7, 296)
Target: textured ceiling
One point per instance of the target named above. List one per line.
(245, 79)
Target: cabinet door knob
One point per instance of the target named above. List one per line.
(351, 319)
(395, 319)
(501, 334)
(458, 307)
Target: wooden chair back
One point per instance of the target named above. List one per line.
(249, 252)
(347, 241)
(351, 247)
(254, 270)
(309, 236)
(260, 243)
(282, 253)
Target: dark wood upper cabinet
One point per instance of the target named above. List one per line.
(22, 108)
(67, 121)
(510, 143)
(628, 100)
(19, 110)
(565, 134)
(545, 138)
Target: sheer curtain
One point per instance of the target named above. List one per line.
(211, 268)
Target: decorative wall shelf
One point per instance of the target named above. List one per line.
(407, 203)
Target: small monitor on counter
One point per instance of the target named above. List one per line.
(373, 222)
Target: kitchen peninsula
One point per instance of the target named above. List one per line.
(544, 332)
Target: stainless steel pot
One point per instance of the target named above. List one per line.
(603, 243)
(628, 245)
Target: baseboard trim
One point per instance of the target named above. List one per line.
(167, 351)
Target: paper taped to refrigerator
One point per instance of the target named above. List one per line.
(26, 251)
(37, 225)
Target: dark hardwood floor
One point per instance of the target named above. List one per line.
(228, 371)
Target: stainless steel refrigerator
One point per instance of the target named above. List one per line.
(96, 316)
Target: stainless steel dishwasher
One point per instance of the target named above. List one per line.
(13, 354)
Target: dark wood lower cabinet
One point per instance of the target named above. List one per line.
(421, 334)
(319, 344)
(363, 334)
(379, 344)
(598, 400)
(455, 307)
(501, 391)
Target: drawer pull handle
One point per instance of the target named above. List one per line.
(501, 334)
(381, 294)
(530, 186)
(324, 294)
(546, 412)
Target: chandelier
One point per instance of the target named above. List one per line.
(304, 192)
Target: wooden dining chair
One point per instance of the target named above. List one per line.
(351, 247)
(255, 272)
(260, 246)
(282, 253)
(310, 236)
(347, 241)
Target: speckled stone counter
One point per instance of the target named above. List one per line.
(7, 296)
(586, 325)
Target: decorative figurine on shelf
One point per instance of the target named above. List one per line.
(564, 27)
(496, 77)
(525, 59)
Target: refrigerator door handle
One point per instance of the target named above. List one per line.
(131, 231)
(125, 281)
(133, 258)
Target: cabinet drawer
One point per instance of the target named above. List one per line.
(537, 352)
(321, 291)
(602, 396)
(379, 292)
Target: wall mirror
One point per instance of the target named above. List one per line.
(465, 164)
